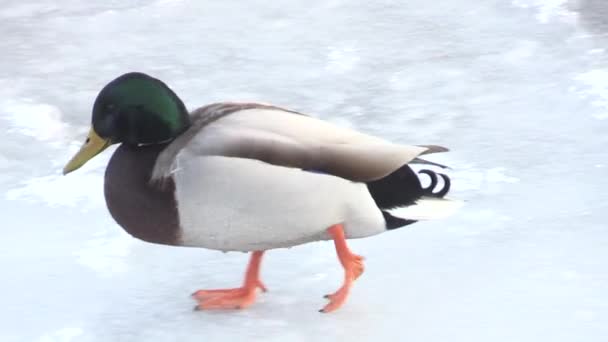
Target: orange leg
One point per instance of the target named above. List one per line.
(237, 298)
(353, 268)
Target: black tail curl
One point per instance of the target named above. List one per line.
(402, 188)
(429, 190)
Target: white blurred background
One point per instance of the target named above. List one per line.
(517, 89)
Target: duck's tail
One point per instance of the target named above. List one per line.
(402, 199)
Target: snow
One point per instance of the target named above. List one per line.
(596, 82)
(517, 90)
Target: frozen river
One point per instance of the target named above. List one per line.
(517, 89)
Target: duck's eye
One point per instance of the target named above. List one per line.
(87, 141)
(109, 106)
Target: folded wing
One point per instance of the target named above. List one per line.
(285, 138)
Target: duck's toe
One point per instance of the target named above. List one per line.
(208, 294)
(235, 298)
(238, 298)
(353, 268)
(337, 299)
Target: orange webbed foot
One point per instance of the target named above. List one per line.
(353, 268)
(207, 294)
(235, 298)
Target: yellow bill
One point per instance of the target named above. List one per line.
(92, 147)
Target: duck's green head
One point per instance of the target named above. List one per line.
(134, 109)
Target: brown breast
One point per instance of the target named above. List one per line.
(146, 212)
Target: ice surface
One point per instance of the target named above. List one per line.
(518, 90)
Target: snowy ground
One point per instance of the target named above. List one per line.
(518, 89)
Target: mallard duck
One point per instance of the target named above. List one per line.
(251, 177)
